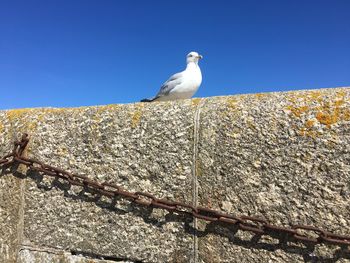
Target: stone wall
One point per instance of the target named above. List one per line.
(281, 156)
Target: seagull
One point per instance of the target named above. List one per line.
(182, 85)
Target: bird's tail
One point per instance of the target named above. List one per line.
(148, 100)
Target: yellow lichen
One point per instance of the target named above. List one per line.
(327, 118)
(31, 126)
(136, 116)
(298, 111)
(28, 118)
(328, 110)
(338, 103)
(231, 111)
(302, 131)
(346, 114)
(312, 134)
(231, 103)
(341, 93)
(56, 110)
(108, 107)
(195, 102)
(198, 167)
(307, 130)
(41, 117)
(260, 95)
(251, 125)
(291, 99)
(13, 115)
(308, 133)
(99, 110)
(315, 95)
(63, 150)
(309, 124)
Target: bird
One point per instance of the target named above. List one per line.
(182, 85)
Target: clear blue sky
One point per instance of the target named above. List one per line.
(72, 53)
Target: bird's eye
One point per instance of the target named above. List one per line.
(190, 55)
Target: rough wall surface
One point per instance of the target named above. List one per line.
(281, 156)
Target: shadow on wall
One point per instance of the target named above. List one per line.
(305, 249)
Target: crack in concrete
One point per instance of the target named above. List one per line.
(50, 250)
(20, 225)
(194, 175)
(103, 257)
(84, 254)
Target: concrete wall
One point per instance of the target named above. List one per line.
(282, 156)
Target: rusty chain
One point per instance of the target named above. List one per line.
(246, 223)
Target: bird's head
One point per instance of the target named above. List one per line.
(193, 57)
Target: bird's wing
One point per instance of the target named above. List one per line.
(171, 83)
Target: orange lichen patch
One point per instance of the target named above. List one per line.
(328, 110)
(309, 123)
(308, 130)
(298, 111)
(327, 118)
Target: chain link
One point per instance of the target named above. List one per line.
(303, 233)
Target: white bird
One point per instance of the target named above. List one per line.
(182, 85)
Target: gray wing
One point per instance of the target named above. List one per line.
(171, 83)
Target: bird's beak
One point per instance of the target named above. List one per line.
(200, 56)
